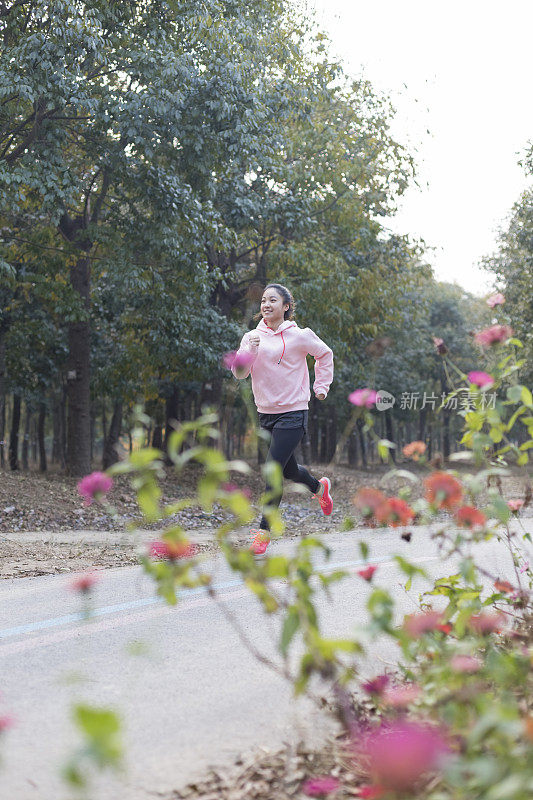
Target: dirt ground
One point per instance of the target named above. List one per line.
(32, 504)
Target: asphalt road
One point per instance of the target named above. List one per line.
(188, 692)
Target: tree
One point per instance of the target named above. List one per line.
(115, 118)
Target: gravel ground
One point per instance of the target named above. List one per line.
(32, 505)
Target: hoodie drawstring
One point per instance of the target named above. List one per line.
(279, 362)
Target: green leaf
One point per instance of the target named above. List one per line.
(514, 393)
(290, 626)
(527, 397)
(363, 549)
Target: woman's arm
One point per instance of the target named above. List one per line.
(323, 356)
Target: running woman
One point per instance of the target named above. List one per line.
(280, 385)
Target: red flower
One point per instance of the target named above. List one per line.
(394, 512)
(493, 335)
(443, 490)
(399, 755)
(84, 582)
(414, 450)
(503, 586)
(369, 792)
(445, 628)
(367, 573)
(418, 624)
(171, 550)
(320, 786)
(470, 517)
(368, 500)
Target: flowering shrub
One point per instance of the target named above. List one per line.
(456, 720)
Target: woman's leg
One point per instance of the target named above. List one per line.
(282, 446)
(298, 474)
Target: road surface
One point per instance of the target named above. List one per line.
(189, 693)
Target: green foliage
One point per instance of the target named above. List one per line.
(100, 729)
(468, 663)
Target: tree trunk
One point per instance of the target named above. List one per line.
(40, 437)
(422, 425)
(104, 420)
(157, 436)
(390, 433)
(110, 455)
(332, 433)
(56, 429)
(2, 395)
(26, 438)
(362, 443)
(352, 448)
(34, 439)
(14, 434)
(171, 416)
(78, 378)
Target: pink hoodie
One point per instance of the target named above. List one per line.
(280, 377)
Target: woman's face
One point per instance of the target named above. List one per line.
(272, 305)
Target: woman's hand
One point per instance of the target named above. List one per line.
(320, 396)
(254, 339)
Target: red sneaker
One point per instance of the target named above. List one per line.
(260, 542)
(326, 503)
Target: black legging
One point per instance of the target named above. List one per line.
(282, 446)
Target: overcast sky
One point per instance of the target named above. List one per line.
(463, 71)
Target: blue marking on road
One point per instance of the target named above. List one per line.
(54, 622)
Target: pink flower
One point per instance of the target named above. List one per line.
(493, 335)
(367, 573)
(400, 754)
(515, 505)
(6, 722)
(230, 488)
(237, 359)
(480, 378)
(376, 685)
(496, 300)
(171, 550)
(94, 486)
(466, 664)
(524, 567)
(363, 397)
(84, 582)
(440, 346)
(417, 624)
(487, 622)
(320, 786)
(401, 696)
